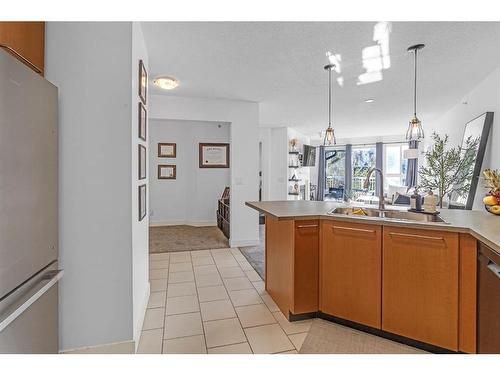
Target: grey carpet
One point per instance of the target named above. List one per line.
(184, 237)
(326, 337)
(255, 254)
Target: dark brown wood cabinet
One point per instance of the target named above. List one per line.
(420, 285)
(351, 271)
(25, 39)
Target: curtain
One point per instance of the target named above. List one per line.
(379, 163)
(412, 168)
(320, 189)
(348, 172)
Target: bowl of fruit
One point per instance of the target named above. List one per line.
(492, 199)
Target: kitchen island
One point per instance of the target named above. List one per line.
(411, 281)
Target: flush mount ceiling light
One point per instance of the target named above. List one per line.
(415, 131)
(166, 83)
(329, 134)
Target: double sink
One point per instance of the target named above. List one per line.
(387, 214)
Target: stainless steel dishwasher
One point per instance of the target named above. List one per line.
(488, 301)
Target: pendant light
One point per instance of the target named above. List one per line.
(415, 131)
(329, 134)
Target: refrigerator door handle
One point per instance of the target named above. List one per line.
(53, 277)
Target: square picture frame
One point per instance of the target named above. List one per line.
(143, 82)
(213, 155)
(142, 201)
(167, 150)
(143, 121)
(167, 172)
(141, 162)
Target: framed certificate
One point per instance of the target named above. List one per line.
(167, 172)
(167, 150)
(214, 155)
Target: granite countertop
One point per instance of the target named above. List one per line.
(481, 224)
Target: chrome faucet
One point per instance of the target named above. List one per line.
(381, 204)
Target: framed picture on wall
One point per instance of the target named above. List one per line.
(142, 162)
(143, 82)
(167, 172)
(214, 155)
(167, 150)
(143, 120)
(142, 202)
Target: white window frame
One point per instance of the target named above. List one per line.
(402, 146)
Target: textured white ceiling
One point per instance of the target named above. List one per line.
(280, 65)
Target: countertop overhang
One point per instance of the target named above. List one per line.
(480, 224)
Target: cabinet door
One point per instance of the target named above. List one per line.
(27, 39)
(351, 260)
(420, 285)
(306, 257)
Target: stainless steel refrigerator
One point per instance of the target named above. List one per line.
(29, 272)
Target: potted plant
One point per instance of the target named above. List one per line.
(448, 169)
(492, 199)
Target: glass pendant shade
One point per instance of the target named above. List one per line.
(415, 131)
(329, 137)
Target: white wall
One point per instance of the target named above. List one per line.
(274, 163)
(91, 63)
(485, 97)
(191, 198)
(140, 229)
(243, 117)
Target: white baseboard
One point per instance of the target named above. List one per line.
(238, 243)
(140, 322)
(124, 347)
(209, 223)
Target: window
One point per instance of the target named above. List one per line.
(363, 158)
(335, 174)
(394, 165)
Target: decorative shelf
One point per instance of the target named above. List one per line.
(293, 152)
(293, 166)
(293, 193)
(294, 179)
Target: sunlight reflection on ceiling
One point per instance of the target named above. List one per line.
(376, 58)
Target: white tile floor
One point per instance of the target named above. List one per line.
(212, 301)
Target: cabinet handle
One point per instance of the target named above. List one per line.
(23, 59)
(307, 226)
(354, 229)
(417, 236)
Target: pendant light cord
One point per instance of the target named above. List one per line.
(415, 88)
(330, 97)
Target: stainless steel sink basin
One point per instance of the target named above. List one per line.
(387, 214)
